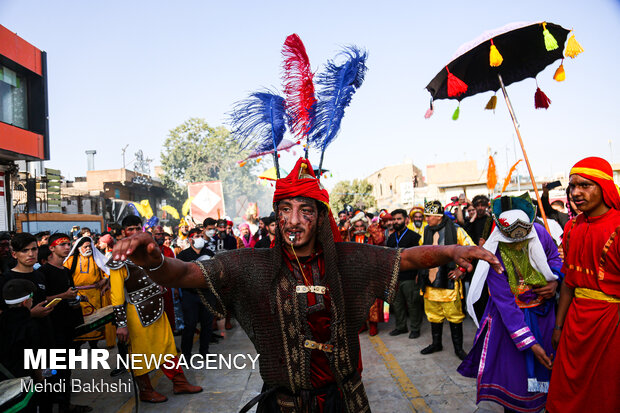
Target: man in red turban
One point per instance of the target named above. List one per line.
(586, 372)
(302, 302)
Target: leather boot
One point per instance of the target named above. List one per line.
(182, 386)
(457, 339)
(147, 393)
(436, 330)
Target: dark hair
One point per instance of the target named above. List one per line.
(399, 211)
(39, 235)
(22, 240)
(193, 231)
(369, 215)
(209, 221)
(221, 222)
(480, 199)
(43, 254)
(558, 202)
(56, 236)
(5, 236)
(85, 229)
(130, 220)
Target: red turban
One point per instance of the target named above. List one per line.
(599, 171)
(302, 182)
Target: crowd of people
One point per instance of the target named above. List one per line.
(533, 347)
(53, 282)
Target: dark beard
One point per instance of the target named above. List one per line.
(398, 228)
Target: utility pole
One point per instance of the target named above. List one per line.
(123, 152)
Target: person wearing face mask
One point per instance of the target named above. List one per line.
(417, 223)
(88, 270)
(194, 311)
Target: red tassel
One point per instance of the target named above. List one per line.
(541, 101)
(455, 85)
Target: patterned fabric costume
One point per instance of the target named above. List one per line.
(586, 373)
(306, 339)
(139, 305)
(442, 296)
(515, 318)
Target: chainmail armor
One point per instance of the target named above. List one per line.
(258, 289)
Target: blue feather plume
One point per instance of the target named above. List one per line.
(337, 85)
(259, 122)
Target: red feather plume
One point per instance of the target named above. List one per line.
(298, 85)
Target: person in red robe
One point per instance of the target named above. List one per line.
(586, 371)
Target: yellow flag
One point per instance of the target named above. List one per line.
(146, 207)
(171, 210)
(186, 204)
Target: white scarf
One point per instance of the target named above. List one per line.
(536, 253)
(99, 258)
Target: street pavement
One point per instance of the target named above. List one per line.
(396, 376)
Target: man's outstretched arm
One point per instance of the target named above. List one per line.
(142, 250)
(434, 256)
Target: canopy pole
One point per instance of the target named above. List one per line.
(527, 162)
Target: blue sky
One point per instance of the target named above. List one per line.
(127, 72)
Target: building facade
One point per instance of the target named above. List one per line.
(24, 127)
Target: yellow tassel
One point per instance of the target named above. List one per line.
(560, 75)
(495, 58)
(258, 160)
(573, 48)
(550, 42)
(492, 103)
(242, 164)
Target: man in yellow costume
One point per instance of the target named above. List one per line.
(142, 323)
(442, 287)
(417, 222)
(90, 277)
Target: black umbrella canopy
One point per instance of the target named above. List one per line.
(522, 45)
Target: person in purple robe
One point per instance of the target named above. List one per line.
(512, 353)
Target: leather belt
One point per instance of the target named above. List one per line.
(328, 348)
(317, 289)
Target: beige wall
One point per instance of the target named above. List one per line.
(386, 183)
(452, 172)
(97, 179)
